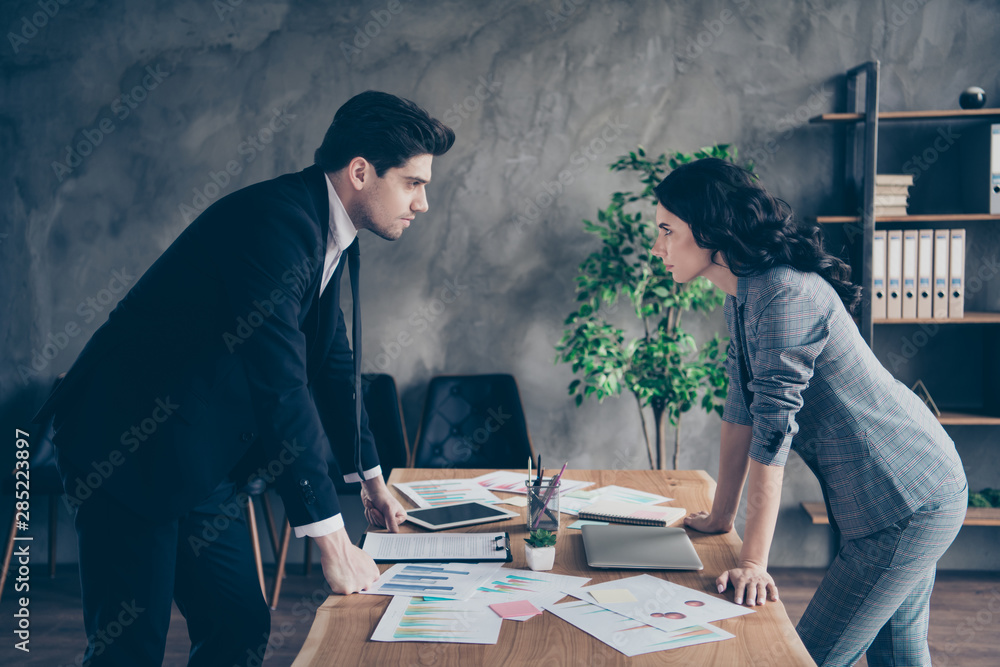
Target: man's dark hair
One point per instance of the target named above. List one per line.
(385, 130)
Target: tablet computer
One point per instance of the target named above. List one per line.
(460, 514)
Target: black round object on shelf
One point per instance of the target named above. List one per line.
(972, 97)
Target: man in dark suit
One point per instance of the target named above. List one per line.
(229, 360)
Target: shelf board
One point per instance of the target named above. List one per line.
(923, 217)
(971, 317)
(958, 114)
(974, 516)
(950, 418)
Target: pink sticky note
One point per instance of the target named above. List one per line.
(515, 609)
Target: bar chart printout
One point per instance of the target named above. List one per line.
(456, 581)
(434, 493)
(453, 621)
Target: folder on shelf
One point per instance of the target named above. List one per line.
(942, 241)
(909, 273)
(894, 273)
(956, 291)
(925, 272)
(878, 276)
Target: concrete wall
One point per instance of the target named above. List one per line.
(162, 95)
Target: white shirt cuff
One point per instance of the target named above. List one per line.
(321, 528)
(369, 474)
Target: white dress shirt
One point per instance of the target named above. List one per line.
(342, 234)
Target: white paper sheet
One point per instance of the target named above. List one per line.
(629, 636)
(451, 621)
(437, 492)
(663, 604)
(540, 588)
(571, 503)
(455, 581)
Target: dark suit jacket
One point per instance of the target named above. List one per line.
(221, 360)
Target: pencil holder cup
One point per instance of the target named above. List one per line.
(543, 506)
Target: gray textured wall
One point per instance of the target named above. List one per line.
(561, 86)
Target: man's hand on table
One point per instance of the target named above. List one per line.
(347, 568)
(382, 510)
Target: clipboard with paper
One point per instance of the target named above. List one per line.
(441, 547)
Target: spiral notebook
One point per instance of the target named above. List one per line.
(617, 511)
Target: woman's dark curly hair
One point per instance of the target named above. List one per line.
(732, 214)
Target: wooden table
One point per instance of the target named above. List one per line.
(343, 625)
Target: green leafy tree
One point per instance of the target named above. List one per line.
(663, 368)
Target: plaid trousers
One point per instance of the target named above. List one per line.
(875, 597)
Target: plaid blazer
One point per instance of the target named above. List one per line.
(804, 378)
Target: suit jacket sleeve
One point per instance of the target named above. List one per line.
(268, 272)
(334, 391)
(788, 333)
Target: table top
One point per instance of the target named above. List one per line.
(343, 625)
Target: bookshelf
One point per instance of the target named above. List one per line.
(859, 125)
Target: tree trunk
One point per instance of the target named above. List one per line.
(677, 440)
(661, 433)
(645, 432)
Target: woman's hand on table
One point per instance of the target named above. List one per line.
(706, 522)
(751, 583)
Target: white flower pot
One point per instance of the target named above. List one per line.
(540, 558)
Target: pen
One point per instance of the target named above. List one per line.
(548, 495)
(529, 471)
(541, 472)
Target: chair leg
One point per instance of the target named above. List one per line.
(272, 530)
(9, 551)
(307, 564)
(255, 541)
(279, 570)
(53, 531)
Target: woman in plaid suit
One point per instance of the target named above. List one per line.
(802, 378)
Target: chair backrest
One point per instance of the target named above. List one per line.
(385, 419)
(472, 421)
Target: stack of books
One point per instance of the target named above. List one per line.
(891, 194)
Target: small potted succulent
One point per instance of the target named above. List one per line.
(541, 550)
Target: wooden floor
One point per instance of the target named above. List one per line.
(965, 618)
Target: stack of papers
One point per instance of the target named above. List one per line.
(573, 502)
(436, 492)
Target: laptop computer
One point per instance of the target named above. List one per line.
(642, 547)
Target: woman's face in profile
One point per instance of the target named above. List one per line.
(676, 246)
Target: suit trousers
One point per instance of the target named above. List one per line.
(131, 568)
(875, 598)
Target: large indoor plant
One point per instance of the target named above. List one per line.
(662, 366)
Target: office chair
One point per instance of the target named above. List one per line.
(472, 421)
(385, 419)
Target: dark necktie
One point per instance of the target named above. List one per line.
(354, 268)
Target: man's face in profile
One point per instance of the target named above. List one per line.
(389, 203)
